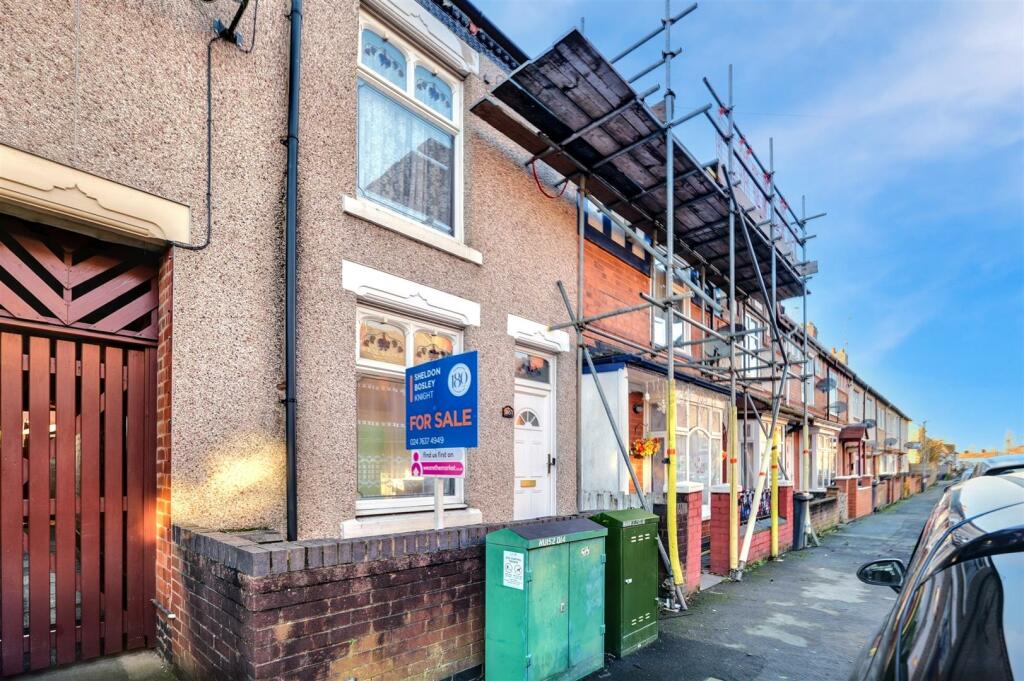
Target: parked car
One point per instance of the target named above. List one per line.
(960, 609)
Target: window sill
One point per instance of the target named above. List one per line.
(382, 217)
(371, 526)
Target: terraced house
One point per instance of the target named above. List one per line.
(224, 239)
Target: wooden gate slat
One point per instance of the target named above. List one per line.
(101, 295)
(65, 501)
(90, 495)
(11, 521)
(39, 502)
(113, 519)
(149, 515)
(39, 289)
(134, 454)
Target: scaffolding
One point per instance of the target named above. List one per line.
(571, 109)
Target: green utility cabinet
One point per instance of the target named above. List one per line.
(544, 608)
(631, 598)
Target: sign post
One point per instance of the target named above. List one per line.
(441, 420)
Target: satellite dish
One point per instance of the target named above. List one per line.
(868, 423)
(889, 441)
(913, 445)
(825, 384)
(839, 407)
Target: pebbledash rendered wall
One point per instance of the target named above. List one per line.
(93, 92)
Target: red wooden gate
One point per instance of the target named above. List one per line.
(77, 460)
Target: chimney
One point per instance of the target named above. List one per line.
(812, 330)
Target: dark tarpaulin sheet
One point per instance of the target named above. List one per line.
(572, 95)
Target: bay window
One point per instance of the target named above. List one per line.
(386, 344)
(824, 460)
(408, 131)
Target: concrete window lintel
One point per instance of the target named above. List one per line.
(382, 288)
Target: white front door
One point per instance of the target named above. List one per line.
(533, 452)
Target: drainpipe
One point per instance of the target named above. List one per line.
(294, 60)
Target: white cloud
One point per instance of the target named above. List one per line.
(952, 87)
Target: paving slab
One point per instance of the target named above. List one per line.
(142, 665)
(804, 617)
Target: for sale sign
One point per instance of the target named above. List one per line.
(441, 403)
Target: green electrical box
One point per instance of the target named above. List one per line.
(631, 598)
(544, 609)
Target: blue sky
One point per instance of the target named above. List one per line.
(905, 122)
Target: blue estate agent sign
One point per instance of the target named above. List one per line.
(441, 403)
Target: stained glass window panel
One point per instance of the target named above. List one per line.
(383, 58)
(382, 342)
(428, 346)
(433, 92)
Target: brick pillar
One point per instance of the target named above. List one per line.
(168, 564)
(785, 511)
(688, 533)
(720, 529)
(691, 549)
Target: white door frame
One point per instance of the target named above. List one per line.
(550, 391)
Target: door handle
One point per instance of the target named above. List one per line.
(551, 462)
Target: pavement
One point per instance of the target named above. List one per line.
(141, 665)
(804, 617)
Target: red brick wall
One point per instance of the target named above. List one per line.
(760, 544)
(612, 284)
(395, 607)
(858, 495)
(165, 562)
(688, 535)
(825, 513)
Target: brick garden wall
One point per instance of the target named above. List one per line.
(760, 544)
(688, 534)
(405, 606)
(825, 513)
(858, 495)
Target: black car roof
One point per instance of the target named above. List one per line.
(977, 496)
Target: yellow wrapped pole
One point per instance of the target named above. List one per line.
(734, 511)
(775, 493)
(670, 496)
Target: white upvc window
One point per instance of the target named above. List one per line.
(681, 332)
(824, 461)
(856, 406)
(385, 344)
(409, 144)
(752, 342)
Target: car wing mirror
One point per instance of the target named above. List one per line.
(884, 572)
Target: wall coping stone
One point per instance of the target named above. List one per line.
(261, 553)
